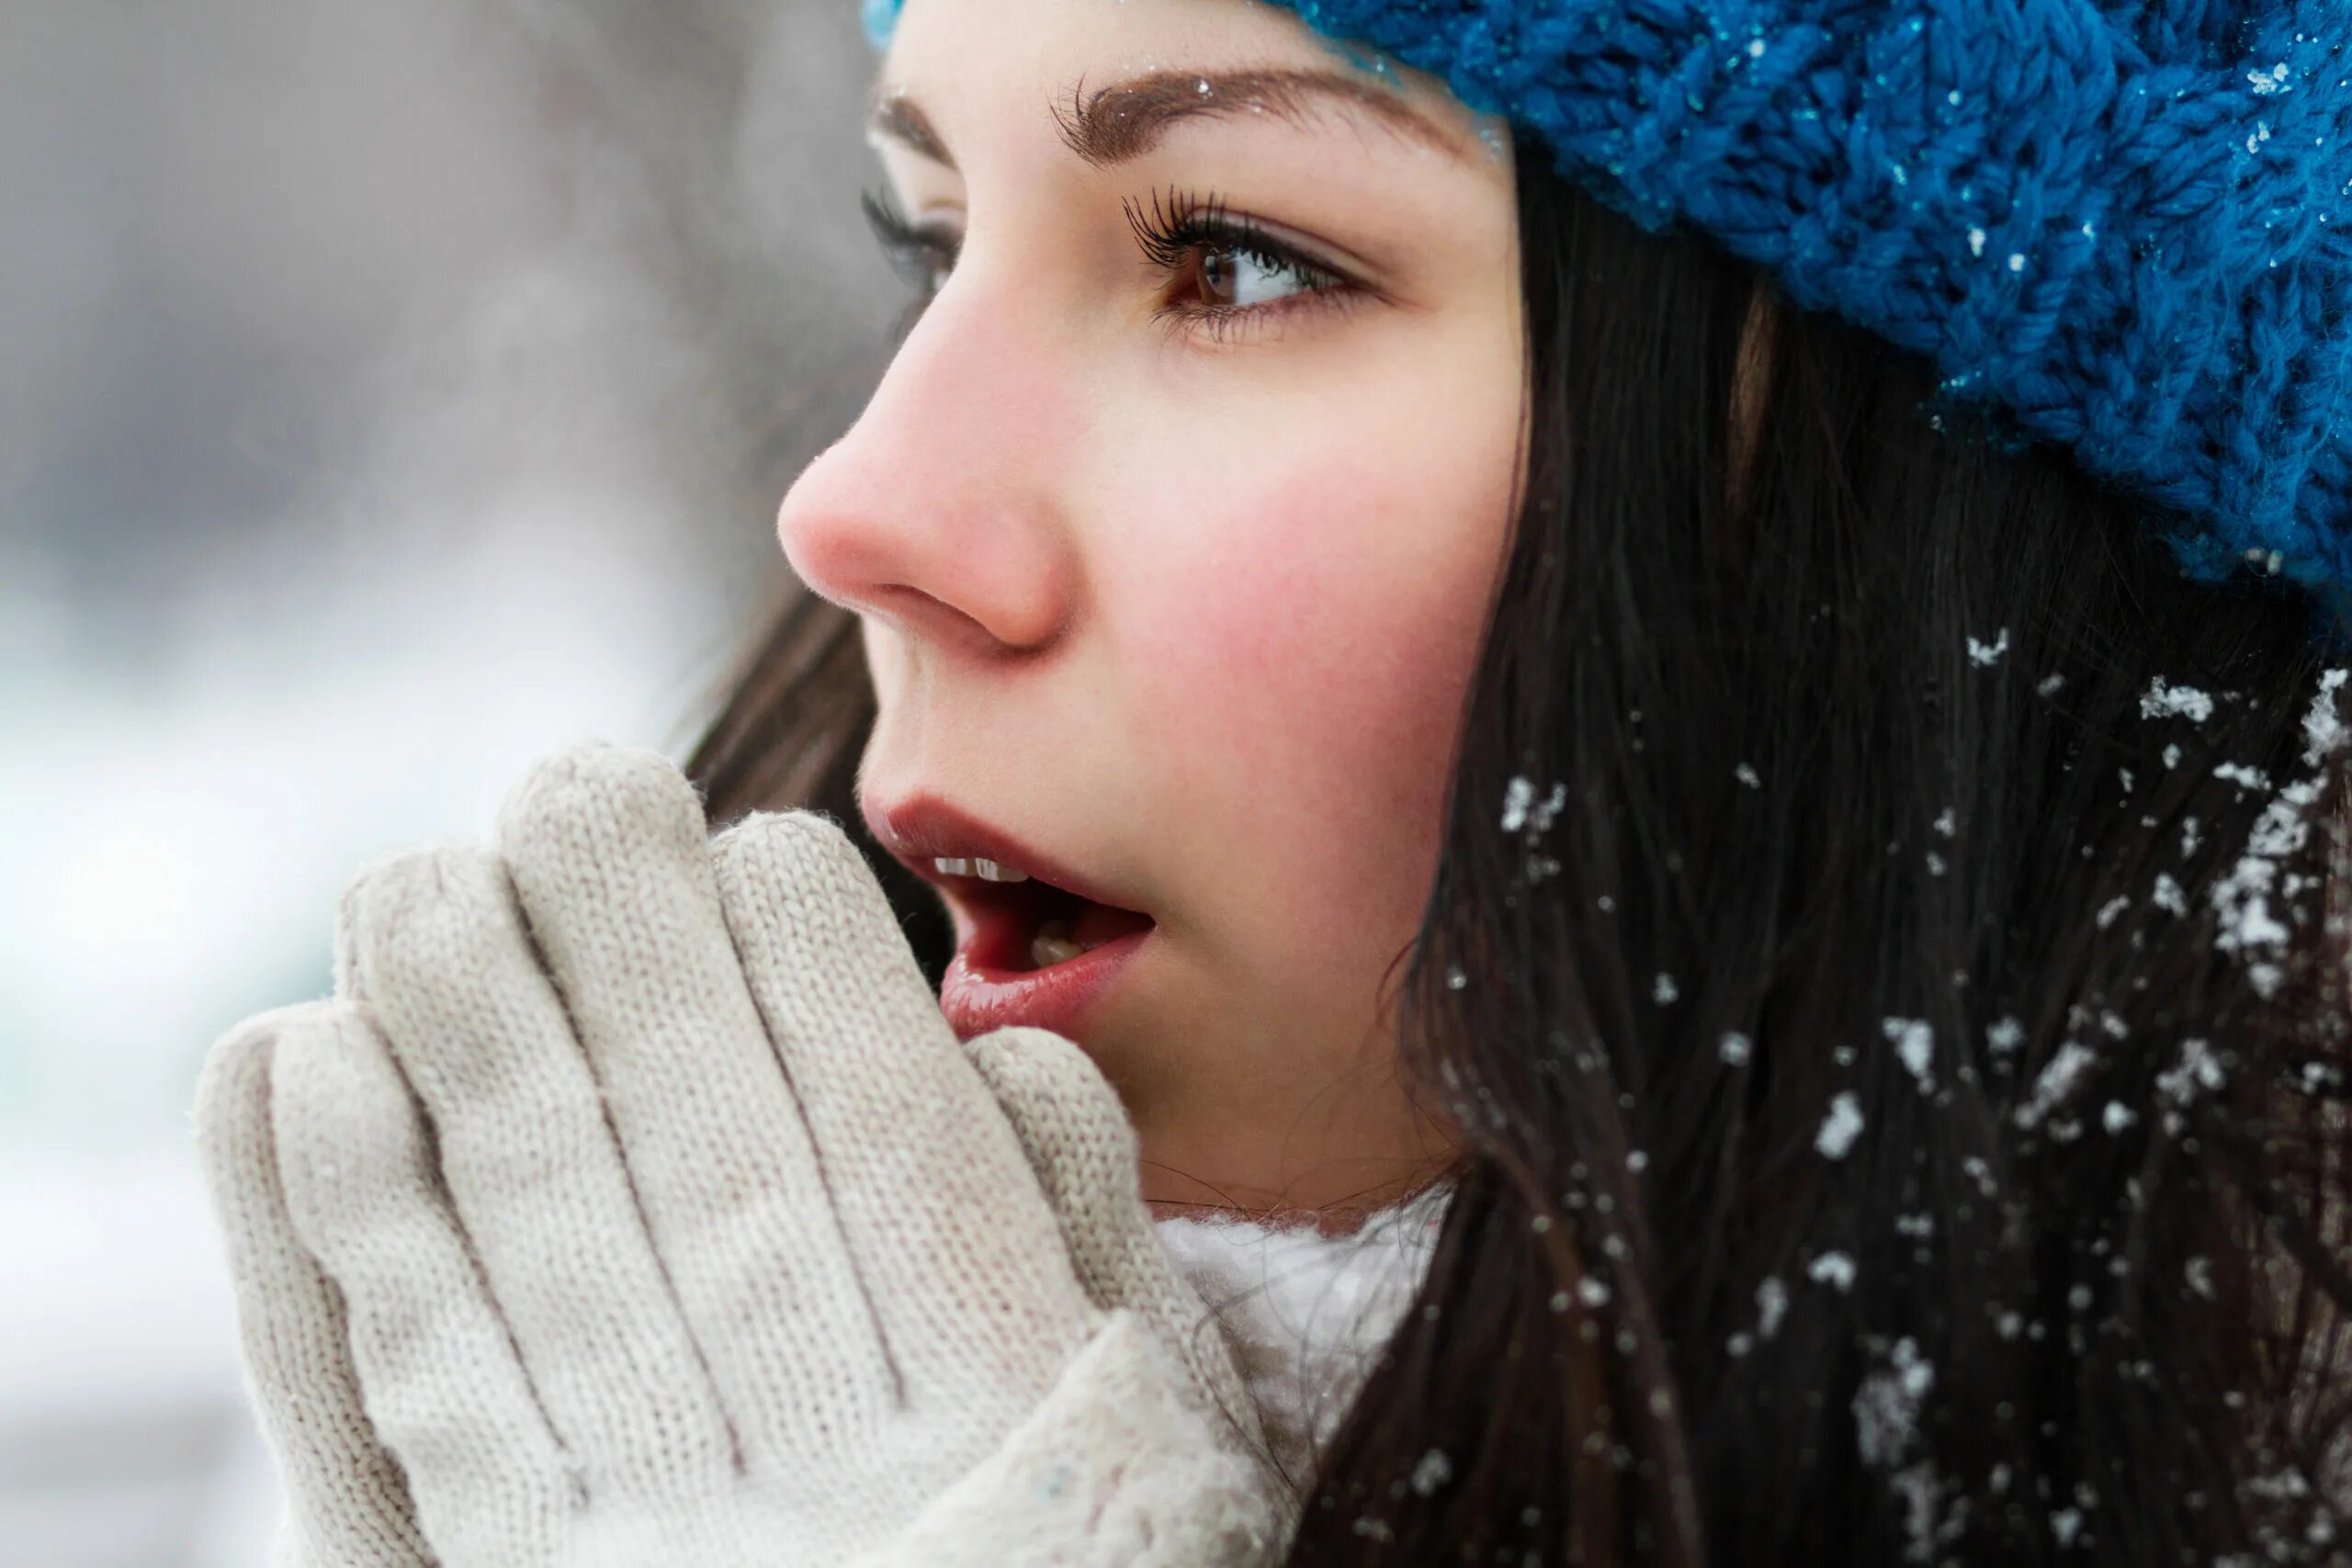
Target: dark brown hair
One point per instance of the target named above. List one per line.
(1884, 966)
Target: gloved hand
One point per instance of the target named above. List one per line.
(631, 1202)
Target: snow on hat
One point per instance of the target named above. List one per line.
(2119, 223)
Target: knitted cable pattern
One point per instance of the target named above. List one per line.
(2118, 224)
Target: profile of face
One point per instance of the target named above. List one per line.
(1172, 529)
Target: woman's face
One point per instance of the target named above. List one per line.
(1172, 529)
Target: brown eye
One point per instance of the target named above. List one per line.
(1216, 275)
(1230, 277)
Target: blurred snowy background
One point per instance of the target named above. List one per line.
(388, 393)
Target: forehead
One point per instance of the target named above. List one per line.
(1107, 77)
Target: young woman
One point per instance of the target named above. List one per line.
(1821, 749)
(1711, 632)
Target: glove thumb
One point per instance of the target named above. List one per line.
(1083, 1149)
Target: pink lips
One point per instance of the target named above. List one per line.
(982, 989)
(977, 999)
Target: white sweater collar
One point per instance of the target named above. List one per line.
(1308, 1313)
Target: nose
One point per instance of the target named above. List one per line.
(944, 511)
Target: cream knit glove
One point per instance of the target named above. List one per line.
(631, 1203)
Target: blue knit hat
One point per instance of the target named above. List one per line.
(2121, 222)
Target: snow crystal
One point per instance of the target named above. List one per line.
(1981, 1174)
(2175, 702)
(1734, 1047)
(2265, 83)
(1747, 775)
(2280, 830)
(1594, 1294)
(2197, 1069)
(2198, 1272)
(2051, 684)
(2168, 896)
(1840, 1127)
(1771, 1305)
(2251, 924)
(1975, 242)
(1983, 654)
(2322, 731)
(2172, 755)
(2118, 1116)
(1886, 1407)
(1947, 824)
(2189, 838)
(2005, 1035)
(2112, 908)
(1833, 1268)
(2242, 776)
(1663, 991)
(1916, 1044)
(2284, 1485)
(2056, 1082)
(1433, 1472)
(1454, 978)
(1518, 795)
(2241, 898)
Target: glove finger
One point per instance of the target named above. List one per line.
(1082, 1147)
(913, 1143)
(345, 1499)
(446, 967)
(612, 861)
(442, 1382)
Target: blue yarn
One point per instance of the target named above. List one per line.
(2123, 223)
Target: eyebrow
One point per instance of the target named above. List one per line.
(1125, 120)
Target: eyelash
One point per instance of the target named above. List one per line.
(1176, 227)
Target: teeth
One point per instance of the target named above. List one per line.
(986, 870)
(1051, 944)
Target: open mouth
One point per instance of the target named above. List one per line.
(1020, 927)
(1037, 944)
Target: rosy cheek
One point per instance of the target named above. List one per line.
(1314, 642)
